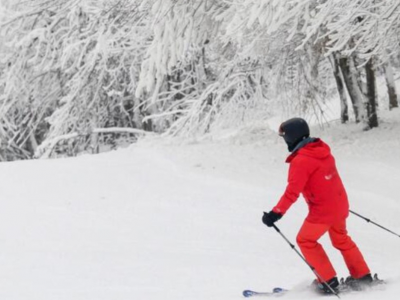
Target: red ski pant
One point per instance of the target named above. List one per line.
(313, 252)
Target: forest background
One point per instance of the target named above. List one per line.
(80, 76)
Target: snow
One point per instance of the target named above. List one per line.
(162, 220)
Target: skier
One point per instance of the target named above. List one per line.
(313, 173)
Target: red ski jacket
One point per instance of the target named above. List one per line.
(313, 173)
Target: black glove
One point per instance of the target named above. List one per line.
(270, 218)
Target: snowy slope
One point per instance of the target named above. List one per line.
(165, 221)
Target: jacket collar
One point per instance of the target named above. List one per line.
(299, 146)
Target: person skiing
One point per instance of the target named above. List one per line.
(313, 174)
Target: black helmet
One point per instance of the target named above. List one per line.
(294, 131)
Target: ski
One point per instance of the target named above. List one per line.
(342, 289)
(274, 293)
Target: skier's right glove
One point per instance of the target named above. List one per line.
(270, 218)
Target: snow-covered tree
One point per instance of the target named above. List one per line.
(71, 67)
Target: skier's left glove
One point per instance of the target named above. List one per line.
(270, 218)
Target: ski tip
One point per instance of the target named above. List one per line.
(248, 293)
(278, 290)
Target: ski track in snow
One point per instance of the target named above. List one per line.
(165, 221)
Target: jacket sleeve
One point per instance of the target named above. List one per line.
(299, 173)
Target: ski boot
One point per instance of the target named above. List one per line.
(330, 287)
(358, 284)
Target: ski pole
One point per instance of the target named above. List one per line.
(308, 264)
(369, 221)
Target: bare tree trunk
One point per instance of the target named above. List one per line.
(357, 71)
(33, 143)
(344, 109)
(393, 101)
(372, 116)
(356, 95)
